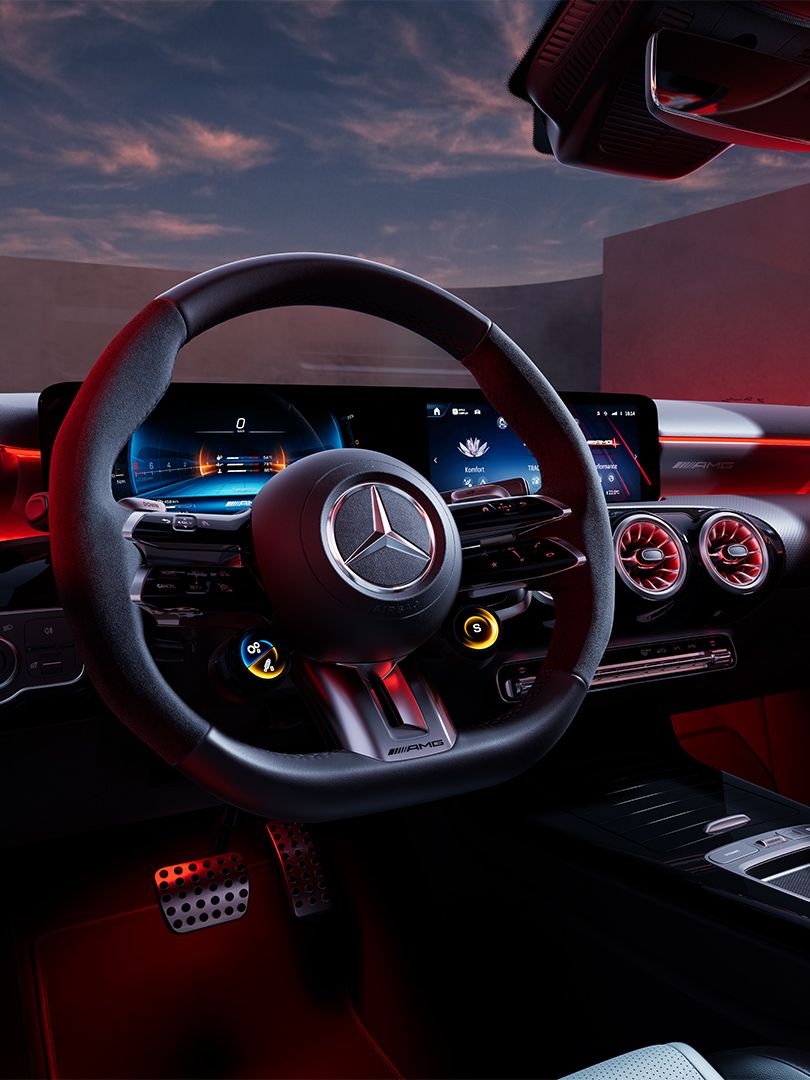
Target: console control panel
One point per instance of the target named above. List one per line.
(632, 664)
(37, 651)
(779, 859)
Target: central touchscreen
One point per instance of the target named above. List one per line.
(471, 445)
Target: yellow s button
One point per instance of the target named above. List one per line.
(477, 628)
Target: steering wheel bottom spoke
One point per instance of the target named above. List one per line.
(377, 710)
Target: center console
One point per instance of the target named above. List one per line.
(780, 859)
(640, 799)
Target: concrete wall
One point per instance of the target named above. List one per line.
(56, 318)
(712, 306)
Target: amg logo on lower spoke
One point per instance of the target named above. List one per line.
(415, 746)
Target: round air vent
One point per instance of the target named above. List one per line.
(734, 552)
(650, 556)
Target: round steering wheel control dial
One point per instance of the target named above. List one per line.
(261, 658)
(477, 628)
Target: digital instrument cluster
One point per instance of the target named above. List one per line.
(211, 448)
(216, 456)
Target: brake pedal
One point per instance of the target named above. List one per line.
(300, 862)
(203, 893)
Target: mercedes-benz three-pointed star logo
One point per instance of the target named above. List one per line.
(384, 536)
(410, 561)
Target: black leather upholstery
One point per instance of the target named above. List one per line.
(763, 1063)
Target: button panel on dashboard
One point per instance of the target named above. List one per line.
(37, 651)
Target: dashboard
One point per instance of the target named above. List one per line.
(210, 448)
(683, 632)
(684, 572)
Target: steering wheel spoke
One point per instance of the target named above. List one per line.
(194, 562)
(504, 541)
(378, 710)
(167, 538)
(519, 563)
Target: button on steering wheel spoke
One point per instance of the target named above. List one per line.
(195, 562)
(504, 541)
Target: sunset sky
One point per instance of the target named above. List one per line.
(185, 134)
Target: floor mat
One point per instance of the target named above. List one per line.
(121, 996)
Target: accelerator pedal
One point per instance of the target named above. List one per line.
(203, 893)
(300, 862)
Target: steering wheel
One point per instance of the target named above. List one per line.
(359, 556)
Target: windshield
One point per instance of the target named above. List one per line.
(146, 141)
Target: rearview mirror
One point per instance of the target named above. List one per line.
(727, 92)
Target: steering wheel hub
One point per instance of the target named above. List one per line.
(359, 555)
(380, 537)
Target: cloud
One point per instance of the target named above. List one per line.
(599, 223)
(306, 23)
(428, 104)
(319, 9)
(193, 59)
(471, 246)
(175, 226)
(30, 37)
(419, 144)
(705, 179)
(147, 15)
(795, 161)
(35, 44)
(120, 236)
(179, 144)
(518, 22)
(740, 173)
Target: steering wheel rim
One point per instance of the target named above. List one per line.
(94, 566)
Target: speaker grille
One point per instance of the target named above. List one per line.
(650, 557)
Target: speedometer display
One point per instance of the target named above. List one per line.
(217, 457)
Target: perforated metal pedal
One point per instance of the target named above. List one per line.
(307, 888)
(203, 893)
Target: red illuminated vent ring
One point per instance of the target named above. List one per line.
(734, 552)
(650, 556)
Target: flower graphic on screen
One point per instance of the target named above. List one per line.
(473, 447)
